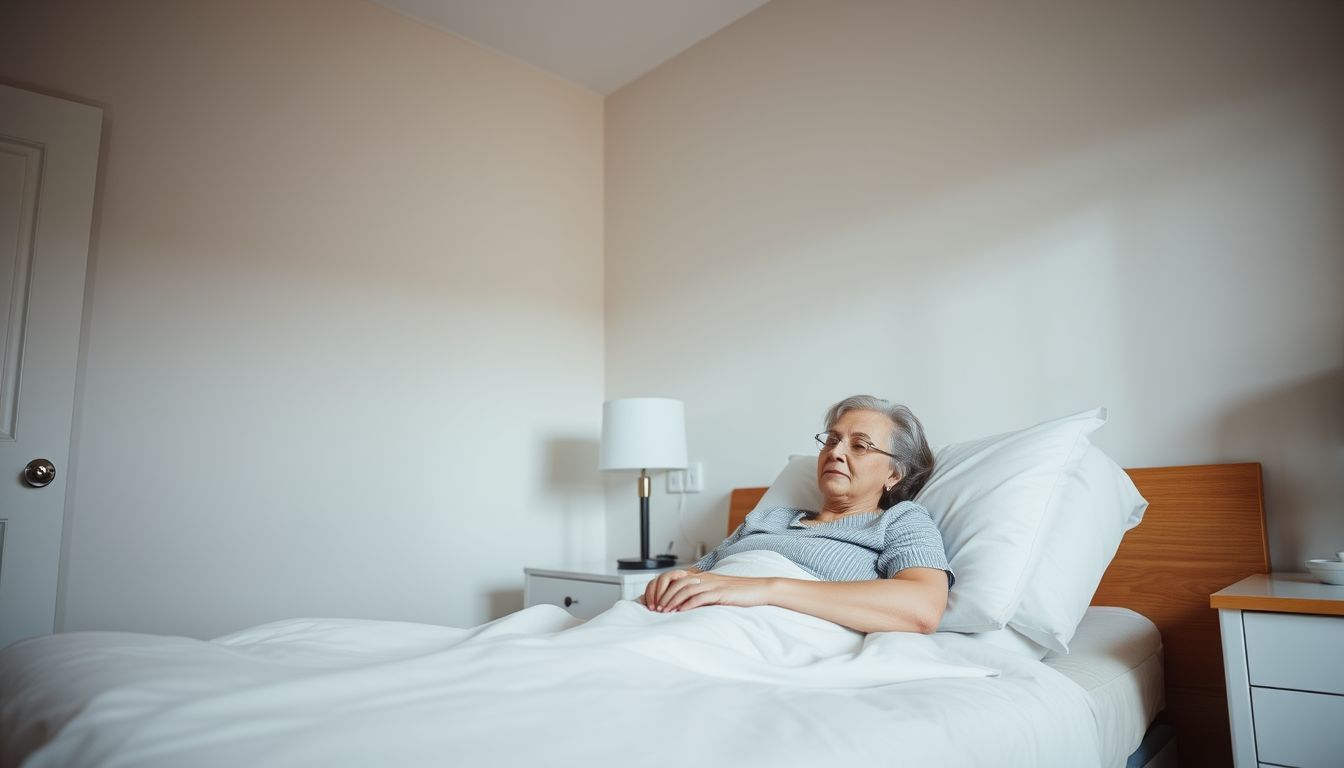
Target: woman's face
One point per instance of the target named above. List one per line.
(857, 481)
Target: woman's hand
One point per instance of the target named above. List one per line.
(653, 592)
(683, 590)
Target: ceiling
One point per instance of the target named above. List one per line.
(598, 44)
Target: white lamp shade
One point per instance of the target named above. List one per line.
(643, 433)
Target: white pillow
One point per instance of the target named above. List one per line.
(1099, 504)
(992, 500)
(795, 487)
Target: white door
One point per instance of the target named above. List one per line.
(48, 166)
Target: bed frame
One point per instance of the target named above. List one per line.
(1204, 529)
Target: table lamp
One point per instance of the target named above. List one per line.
(643, 433)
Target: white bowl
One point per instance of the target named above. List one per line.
(1329, 571)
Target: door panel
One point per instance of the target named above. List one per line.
(20, 168)
(48, 168)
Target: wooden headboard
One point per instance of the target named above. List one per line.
(1204, 529)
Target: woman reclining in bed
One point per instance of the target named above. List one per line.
(878, 555)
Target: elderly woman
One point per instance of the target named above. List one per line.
(878, 556)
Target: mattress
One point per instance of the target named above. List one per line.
(1116, 656)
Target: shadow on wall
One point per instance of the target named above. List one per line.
(572, 479)
(1297, 433)
(571, 465)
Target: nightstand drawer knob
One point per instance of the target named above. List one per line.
(570, 601)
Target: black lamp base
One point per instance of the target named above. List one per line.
(645, 563)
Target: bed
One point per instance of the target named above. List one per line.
(741, 687)
(1204, 529)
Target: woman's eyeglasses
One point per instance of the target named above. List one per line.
(857, 445)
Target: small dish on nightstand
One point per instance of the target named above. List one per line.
(1328, 571)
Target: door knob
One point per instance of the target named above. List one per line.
(39, 473)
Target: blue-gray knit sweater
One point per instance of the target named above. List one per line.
(852, 548)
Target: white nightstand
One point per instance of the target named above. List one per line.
(1283, 654)
(587, 590)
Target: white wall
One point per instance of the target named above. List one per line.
(343, 344)
(996, 213)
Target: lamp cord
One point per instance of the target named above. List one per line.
(681, 523)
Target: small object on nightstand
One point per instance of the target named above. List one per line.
(1328, 571)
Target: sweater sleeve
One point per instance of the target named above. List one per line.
(912, 541)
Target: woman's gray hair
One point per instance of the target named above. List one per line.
(911, 457)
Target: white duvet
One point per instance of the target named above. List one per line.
(712, 686)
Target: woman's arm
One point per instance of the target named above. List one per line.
(912, 600)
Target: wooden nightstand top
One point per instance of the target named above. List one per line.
(1282, 593)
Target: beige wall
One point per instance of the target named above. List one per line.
(343, 345)
(345, 324)
(997, 213)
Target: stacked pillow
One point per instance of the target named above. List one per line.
(1099, 503)
(1030, 520)
(994, 499)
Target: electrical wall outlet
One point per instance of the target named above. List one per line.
(688, 480)
(695, 477)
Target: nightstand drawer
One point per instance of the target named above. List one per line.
(1298, 729)
(1289, 650)
(584, 599)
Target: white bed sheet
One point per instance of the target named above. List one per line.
(1116, 656)
(741, 687)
